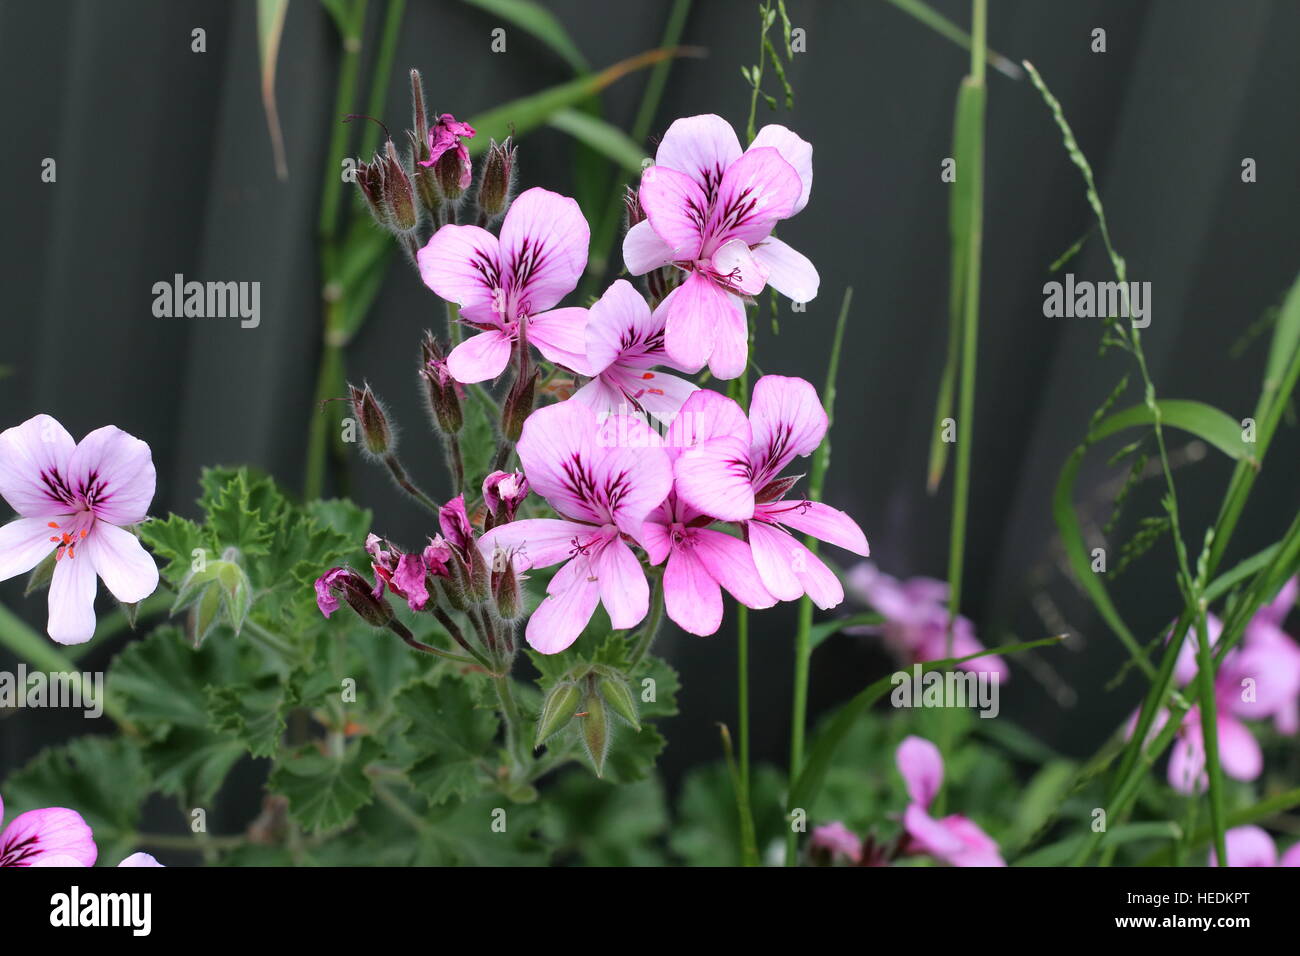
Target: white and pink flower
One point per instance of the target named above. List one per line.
(710, 209)
(512, 283)
(77, 500)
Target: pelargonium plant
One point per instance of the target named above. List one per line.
(486, 686)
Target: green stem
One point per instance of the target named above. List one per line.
(514, 721)
(270, 640)
(748, 843)
(1210, 733)
(651, 627)
(399, 475)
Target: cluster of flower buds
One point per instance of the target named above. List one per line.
(594, 694)
(449, 576)
(428, 184)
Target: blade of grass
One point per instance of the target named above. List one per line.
(946, 28)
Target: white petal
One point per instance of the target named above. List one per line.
(127, 568)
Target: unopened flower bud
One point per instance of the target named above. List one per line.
(480, 575)
(399, 195)
(558, 709)
(505, 589)
(518, 405)
(352, 587)
(596, 731)
(497, 180)
(615, 691)
(424, 178)
(442, 391)
(376, 435)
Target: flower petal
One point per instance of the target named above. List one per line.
(562, 615)
(24, 543)
(730, 354)
(544, 241)
(1239, 751)
(676, 207)
(658, 394)
(788, 420)
(643, 250)
(115, 473)
(737, 268)
(702, 147)
(1247, 846)
(713, 477)
(789, 272)
(536, 542)
(139, 859)
(560, 335)
(462, 265)
(120, 559)
(692, 597)
(34, 456)
(796, 151)
(695, 311)
(556, 449)
(788, 568)
(480, 357)
(706, 414)
(623, 587)
(620, 322)
(72, 600)
(51, 837)
(731, 563)
(921, 766)
(821, 521)
(757, 191)
(632, 472)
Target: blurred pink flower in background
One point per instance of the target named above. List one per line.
(954, 839)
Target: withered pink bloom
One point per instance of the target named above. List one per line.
(454, 521)
(405, 575)
(76, 499)
(602, 479)
(449, 133)
(735, 475)
(710, 209)
(504, 492)
(838, 841)
(701, 560)
(50, 837)
(954, 840)
(504, 284)
(625, 342)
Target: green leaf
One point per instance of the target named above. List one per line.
(1261, 811)
(324, 792)
(1286, 340)
(528, 113)
(1060, 853)
(236, 520)
(162, 682)
(1039, 799)
(253, 713)
(602, 136)
(1204, 421)
(540, 22)
(448, 730)
(191, 763)
(809, 783)
(175, 540)
(102, 778)
(820, 632)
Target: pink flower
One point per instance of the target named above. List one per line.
(501, 284)
(1271, 658)
(837, 840)
(405, 575)
(446, 134)
(954, 840)
(625, 340)
(603, 479)
(140, 860)
(916, 619)
(710, 210)
(75, 499)
(51, 837)
(503, 493)
(734, 476)
(1252, 846)
(701, 561)
(456, 528)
